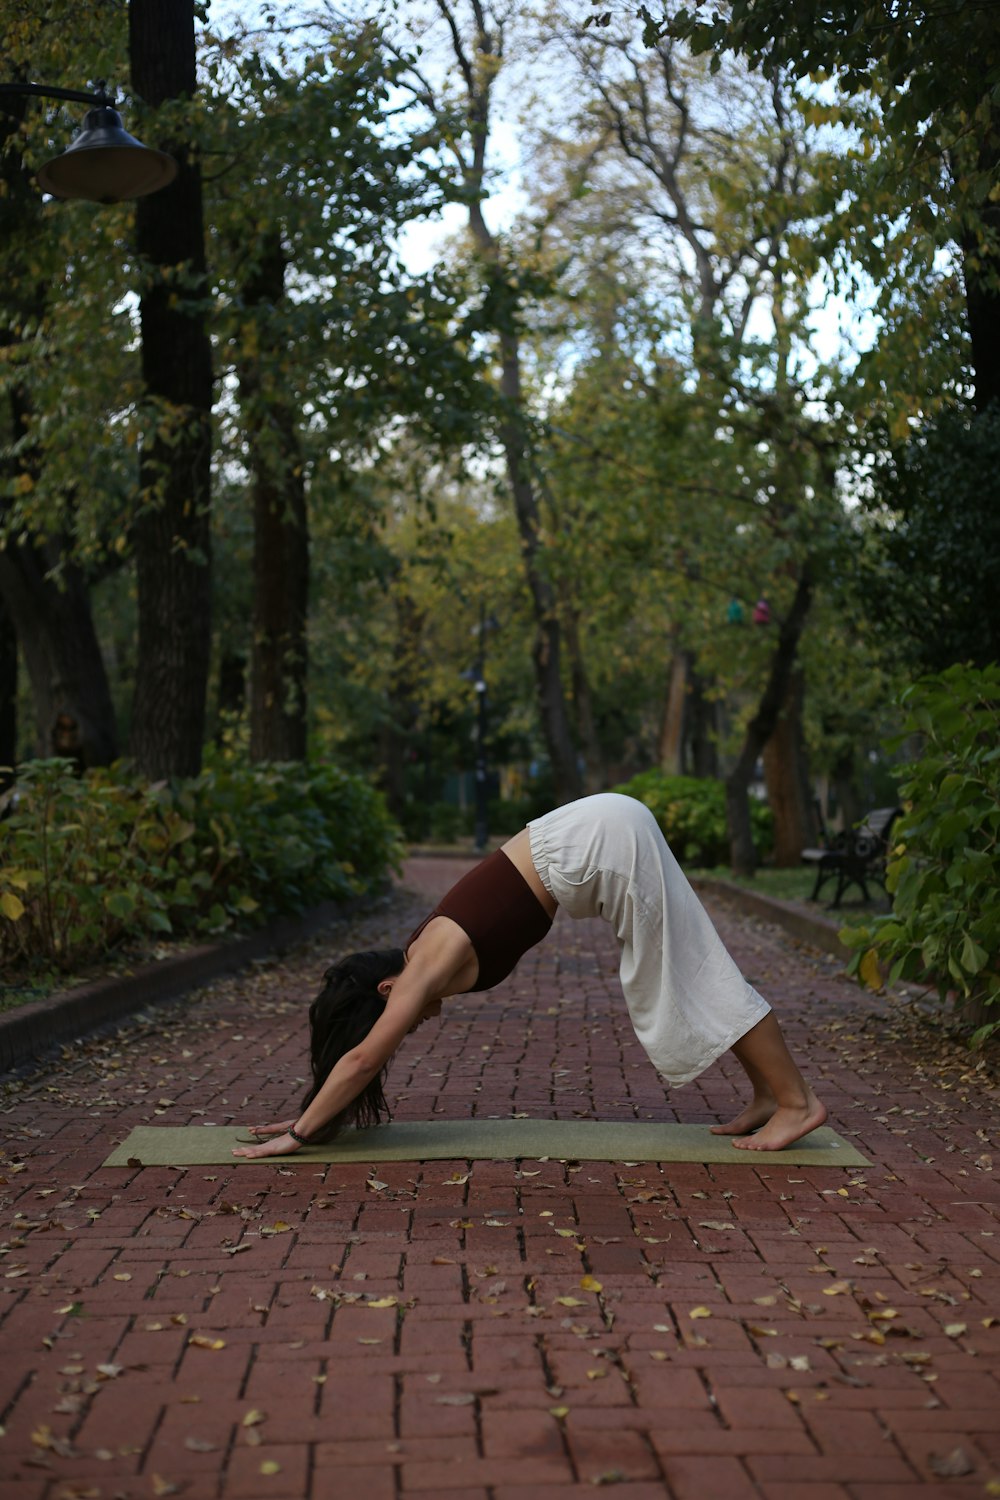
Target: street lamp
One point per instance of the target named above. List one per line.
(478, 676)
(104, 164)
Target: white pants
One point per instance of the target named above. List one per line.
(605, 856)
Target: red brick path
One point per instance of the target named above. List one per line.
(501, 1330)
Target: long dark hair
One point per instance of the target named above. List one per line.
(340, 1017)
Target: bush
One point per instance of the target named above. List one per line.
(692, 815)
(942, 873)
(88, 863)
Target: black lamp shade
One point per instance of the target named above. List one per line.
(105, 164)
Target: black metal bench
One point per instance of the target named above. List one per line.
(855, 857)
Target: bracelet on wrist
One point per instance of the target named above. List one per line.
(303, 1140)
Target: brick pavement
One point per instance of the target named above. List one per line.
(501, 1330)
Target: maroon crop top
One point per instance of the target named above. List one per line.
(498, 912)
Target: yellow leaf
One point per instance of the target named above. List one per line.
(868, 969)
(591, 1284)
(567, 1234)
(700, 1312)
(384, 1302)
(954, 1330)
(836, 1289)
(570, 1302)
(202, 1341)
(270, 1467)
(11, 906)
(559, 1412)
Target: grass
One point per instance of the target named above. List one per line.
(796, 885)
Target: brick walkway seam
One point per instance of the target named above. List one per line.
(531, 1330)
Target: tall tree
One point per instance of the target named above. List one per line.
(45, 287)
(331, 341)
(935, 69)
(172, 536)
(477, 37)
(714, 176)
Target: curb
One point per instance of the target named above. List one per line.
(31, 1031)
(817, 931)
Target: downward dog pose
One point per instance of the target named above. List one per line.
(603, 856)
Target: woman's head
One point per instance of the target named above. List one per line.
(340, 1018)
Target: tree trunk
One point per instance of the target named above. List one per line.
(547, 650)
(61, 653)
(173, 530)
(981, 268)
(594, 765)
(279, 656)
(789, 793)
(743, 854)
(702, 752)
(8, 696)
(687, 735)
(674, 715)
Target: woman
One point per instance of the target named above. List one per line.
(602, 856)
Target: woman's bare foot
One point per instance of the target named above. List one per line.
(788, 1123)
(757, 1113)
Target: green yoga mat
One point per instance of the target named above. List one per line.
(486, 1140)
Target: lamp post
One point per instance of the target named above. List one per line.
(481, 830)
(104, 164)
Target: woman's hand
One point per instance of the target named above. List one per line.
(277, 1129)
(281, 1145)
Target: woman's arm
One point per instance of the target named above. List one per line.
(426, 978)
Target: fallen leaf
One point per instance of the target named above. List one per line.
(202, 1341)
(456, 1398)
(383, 1302)
(700, 1312)
(270, 1467)
(200, 1445)
(253, 1418)
(951, 1465)
(721, 1225)
(955, 1330)
(591, 1284)
(570, 1302)
(837, 1289)
(559, 1412)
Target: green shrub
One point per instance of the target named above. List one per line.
(88, 863)
(692, 814)
(944, 867)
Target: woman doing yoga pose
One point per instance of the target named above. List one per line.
(603, 856)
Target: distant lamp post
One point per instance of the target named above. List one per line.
(104, 164)
(481, 831)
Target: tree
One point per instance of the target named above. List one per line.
(331, 342)
(935, 67)
(713, 178)
(477, 36)
(172, 534)
(59, 277)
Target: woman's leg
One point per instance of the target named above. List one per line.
(783, 1107)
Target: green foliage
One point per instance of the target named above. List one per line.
(932, 568)
(942, 874)
(692, 814)
(87, 864)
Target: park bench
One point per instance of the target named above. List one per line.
(854, 857)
